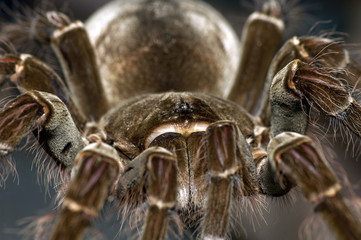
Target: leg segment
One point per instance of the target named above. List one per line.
(293, 160)
(335, 63)
(222, 166)
(300, 81)
(48, 117)
(294, 157)
(95, 170)
(162, 194)
(230, 169)
(71, 44)
(262, 34)
(155, 168)
(29, 73)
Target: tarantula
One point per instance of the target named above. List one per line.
(162, 109)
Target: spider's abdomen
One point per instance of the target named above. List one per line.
(158, 46)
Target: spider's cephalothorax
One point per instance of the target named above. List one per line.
(156, 107)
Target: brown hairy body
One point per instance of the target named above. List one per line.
(162, 111)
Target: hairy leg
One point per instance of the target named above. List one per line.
(156, 170)
(294, 157)
(46, 116)
(261, 37)
(95, 170)
(325, 56)
(72, 47)
(298, 82)
(229, 161)
(293, 160)
(28, 73)
(162, 194)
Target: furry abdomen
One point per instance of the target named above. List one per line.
(158, 46)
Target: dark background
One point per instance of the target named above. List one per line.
(28, 198)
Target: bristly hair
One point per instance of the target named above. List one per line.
(36, 227)
(333, 130)
(50, 174)
(7, 169)
(17, 27)
(342, 125)
(325, 136)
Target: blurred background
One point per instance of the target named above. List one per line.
(25, 197)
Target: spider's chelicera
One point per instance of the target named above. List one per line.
(162, 107)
